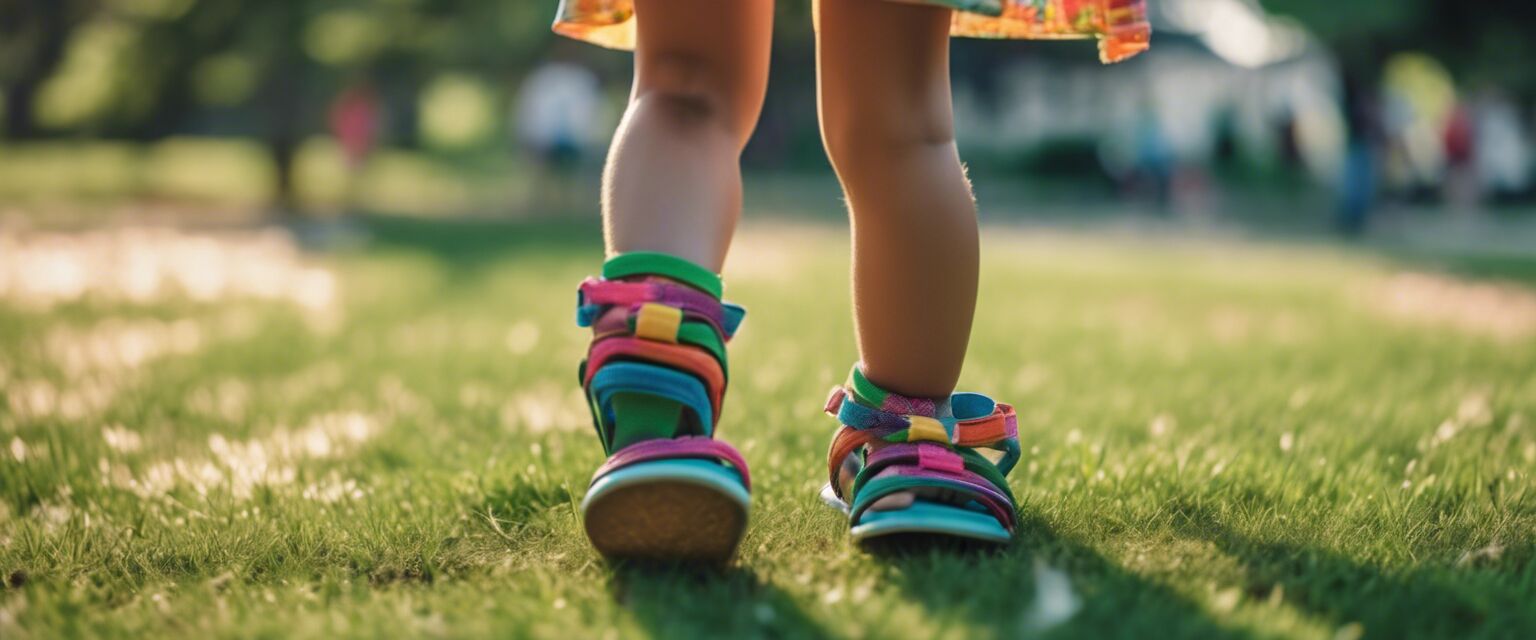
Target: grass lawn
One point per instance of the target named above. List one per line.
(1221, 439)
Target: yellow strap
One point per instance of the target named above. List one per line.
(658, 322)
(924, 428)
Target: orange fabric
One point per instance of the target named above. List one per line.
(1121, 25)
(847, 441)
(973, 433)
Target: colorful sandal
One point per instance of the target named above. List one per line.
(890, 444)
(655, 376)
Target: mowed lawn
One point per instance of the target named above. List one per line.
(216, 435)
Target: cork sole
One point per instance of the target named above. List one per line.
(666, 521)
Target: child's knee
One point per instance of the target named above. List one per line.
(852, 137)
(689, 91)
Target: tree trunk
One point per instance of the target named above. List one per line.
(52, 24)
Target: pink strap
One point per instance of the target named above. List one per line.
(693, 447)
(631, 294)
(933, 457)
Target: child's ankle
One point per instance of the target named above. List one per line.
(877, 396)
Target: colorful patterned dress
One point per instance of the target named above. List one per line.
(1120, 25)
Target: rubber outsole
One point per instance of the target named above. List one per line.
(667, 511)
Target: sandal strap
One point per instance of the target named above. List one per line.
(931, 465)
(684, 359)
(638, 386)
(921, 446)
(862, 426)
(676, 448)
(595, 296)
(929, 458)
(687, 332)
(658, 348)
(999, 505)
(651, 263)
(986, 422)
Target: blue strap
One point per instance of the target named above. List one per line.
(650, 379)
(734, 314)
(856, 415)
(970, 406)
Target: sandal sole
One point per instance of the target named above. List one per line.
(924, 523)
(670, 511)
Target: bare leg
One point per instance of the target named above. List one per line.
(887, 123)
(673, 179)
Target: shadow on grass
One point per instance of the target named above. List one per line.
(1487, 594)
(673, 601)
(1000, 591)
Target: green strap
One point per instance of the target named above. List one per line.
(701, 335)
(644, 417)
(650, 263)
(647, 417)
(871, 395)
(984, 467)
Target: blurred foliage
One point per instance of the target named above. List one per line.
(1486, 42)
(140, 70)
(145, 69)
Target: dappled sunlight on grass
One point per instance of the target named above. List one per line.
(1502, 311)
(145, 265)
(1219, 440)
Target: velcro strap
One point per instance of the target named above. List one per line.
(853, 413)
(632, 382)
(936, 458)
(594, 296)
(871, 394)
(925, 429)
(651, 263)
(686, 359)
(658, 322)
(1001, 425)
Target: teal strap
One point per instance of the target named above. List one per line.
(650, 263)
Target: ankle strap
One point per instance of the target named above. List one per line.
(651, 263)
(875, 397)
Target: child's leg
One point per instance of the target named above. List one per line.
(888, 127)
(673, 180)
(655, 371)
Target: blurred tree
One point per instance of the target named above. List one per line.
(1480, 42)
(146, 69)
(32, 39)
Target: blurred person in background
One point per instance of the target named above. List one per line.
(1362, 156)
(354, 121)
(1501, 145)
(556, 120)
(1460, 187)
(1153, 173)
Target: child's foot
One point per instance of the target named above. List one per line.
(655, 377)
(903, 466)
